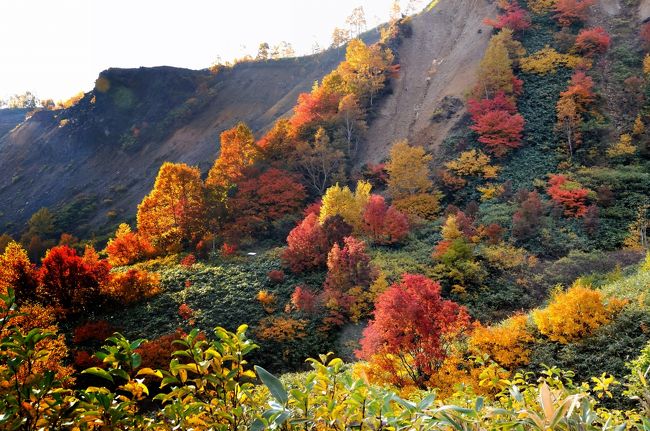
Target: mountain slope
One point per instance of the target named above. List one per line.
(99, 158)
(438, 65)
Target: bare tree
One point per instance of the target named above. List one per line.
(357, 21)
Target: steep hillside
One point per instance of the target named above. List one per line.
(438, 63)
(114, 140)
(10, 118)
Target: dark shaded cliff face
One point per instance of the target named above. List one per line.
(96, 160)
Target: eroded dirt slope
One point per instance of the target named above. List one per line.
(438, 65)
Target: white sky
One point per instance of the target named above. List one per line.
(55, 48)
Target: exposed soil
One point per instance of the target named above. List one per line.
(438, 64)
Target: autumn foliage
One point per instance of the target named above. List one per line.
(238, 151)
(506, 343)
(512, 16)
(500, 131)
(17, 273)
(31, 316)
(349, 275)
(128, 247)
(398, 328)
(571, 106)
(261, 199)
(173, 213)
(97, 330)
(592, 41)
(568, 12)
(307, 246)
(569, 194)
(131, 286)
(384, 224)
(70, 281)
(492, 108)
(575, 314)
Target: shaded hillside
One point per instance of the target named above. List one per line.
(114, 140)
(10, 118)
(438, 64)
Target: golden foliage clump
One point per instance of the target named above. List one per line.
(16, 270)
(495, 70)
(504, 256)
(506, 343)
(515, 48)
(281, 329)
(646, 263)
(408, 171)
(541, 6)
(34, 316)
(646, 64)
(131, 286)
(490, 191)
(363, 299)
(639, 126)
(623, 147)
(267, 299)
(342, 201)
(474, 163)
(547, 60)
(424, 206)
(71, 101)
(460, 371)
(174, 211)
(575, 314)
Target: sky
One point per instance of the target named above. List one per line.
(56, 48)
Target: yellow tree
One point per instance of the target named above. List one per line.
(17, 272)
(238, 151)
(569, 121)
(365, 69)
(342, 201)
(495, 71)
(623, 147)
(173, 212)
(408, 170)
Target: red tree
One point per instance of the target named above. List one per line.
(317, 106)
(527, 219)
(500, 131)
(307, 246)
(349, 266)
(71, 281)
(513, 17)
(592, 41)
(304, 299)
(568, 12)
(261, 199)
(413, 322)
(569, 194)
(645, 34)
(500, 102)
(128, 247)
(385, 225)
(336, 229)
(581, 89)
